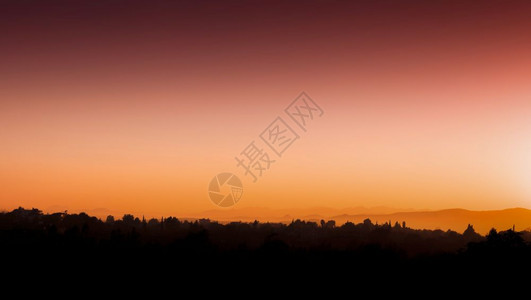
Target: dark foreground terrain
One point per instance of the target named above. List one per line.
(78, 248)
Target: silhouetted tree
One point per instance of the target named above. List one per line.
(397, 225)
(128, 219)
(470, 234)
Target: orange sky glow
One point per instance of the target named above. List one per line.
(427, 104)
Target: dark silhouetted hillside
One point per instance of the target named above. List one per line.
(64, 244)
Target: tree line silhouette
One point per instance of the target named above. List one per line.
(59, 241)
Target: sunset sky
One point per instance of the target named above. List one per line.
(134, 106)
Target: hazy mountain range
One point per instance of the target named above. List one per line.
(454, 219)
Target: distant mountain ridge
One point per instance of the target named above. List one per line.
(447, 219)
(456, 219)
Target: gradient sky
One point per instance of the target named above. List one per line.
(133, 106)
